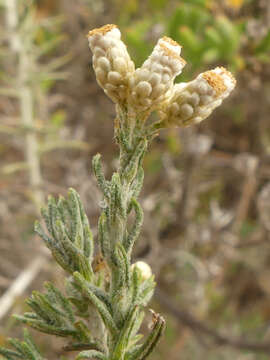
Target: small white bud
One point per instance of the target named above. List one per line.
(202, 88)
(205, 99)
(144, 269)
(101, 76)
(104, 63)
(120, 65)
(143, 88)
(114, 78)
(159, 90)
(154, 79)
(175, 109)
(186, 111)
(194, 99)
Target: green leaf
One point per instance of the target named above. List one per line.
(100, 306)
(136, 228)
(26, 350)
(91, 354)
(99, 174)
(103, 237)
(143, 351)
(125, 333)
(264, 45)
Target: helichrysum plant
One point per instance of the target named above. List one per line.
(101, 312)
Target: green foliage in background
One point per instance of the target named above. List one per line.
(208, 37)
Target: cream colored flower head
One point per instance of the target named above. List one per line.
(194, 101)
(111, 61)
(151, 87)
(143, 268)
(152, 83)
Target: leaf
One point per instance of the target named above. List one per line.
(125, 333)
(264, 45)
(100, 306)
(26, 350)
(136, 228)
(143, 351)
(91, 354)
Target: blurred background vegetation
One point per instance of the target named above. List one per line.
(207, 189)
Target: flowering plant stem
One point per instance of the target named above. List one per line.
(116, 238)
(113, 293)
(102, 310)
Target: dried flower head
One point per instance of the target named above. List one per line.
(111, 61)
(151, 87)
(194, 101)
(151, 84)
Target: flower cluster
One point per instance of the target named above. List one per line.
(111, 61)
(153, 82)
(151, 87)
(194, 101)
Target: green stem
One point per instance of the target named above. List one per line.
(127, 182)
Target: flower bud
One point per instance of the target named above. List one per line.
(111, 61)
(194, 101)
(151, 84)
(143, 268)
